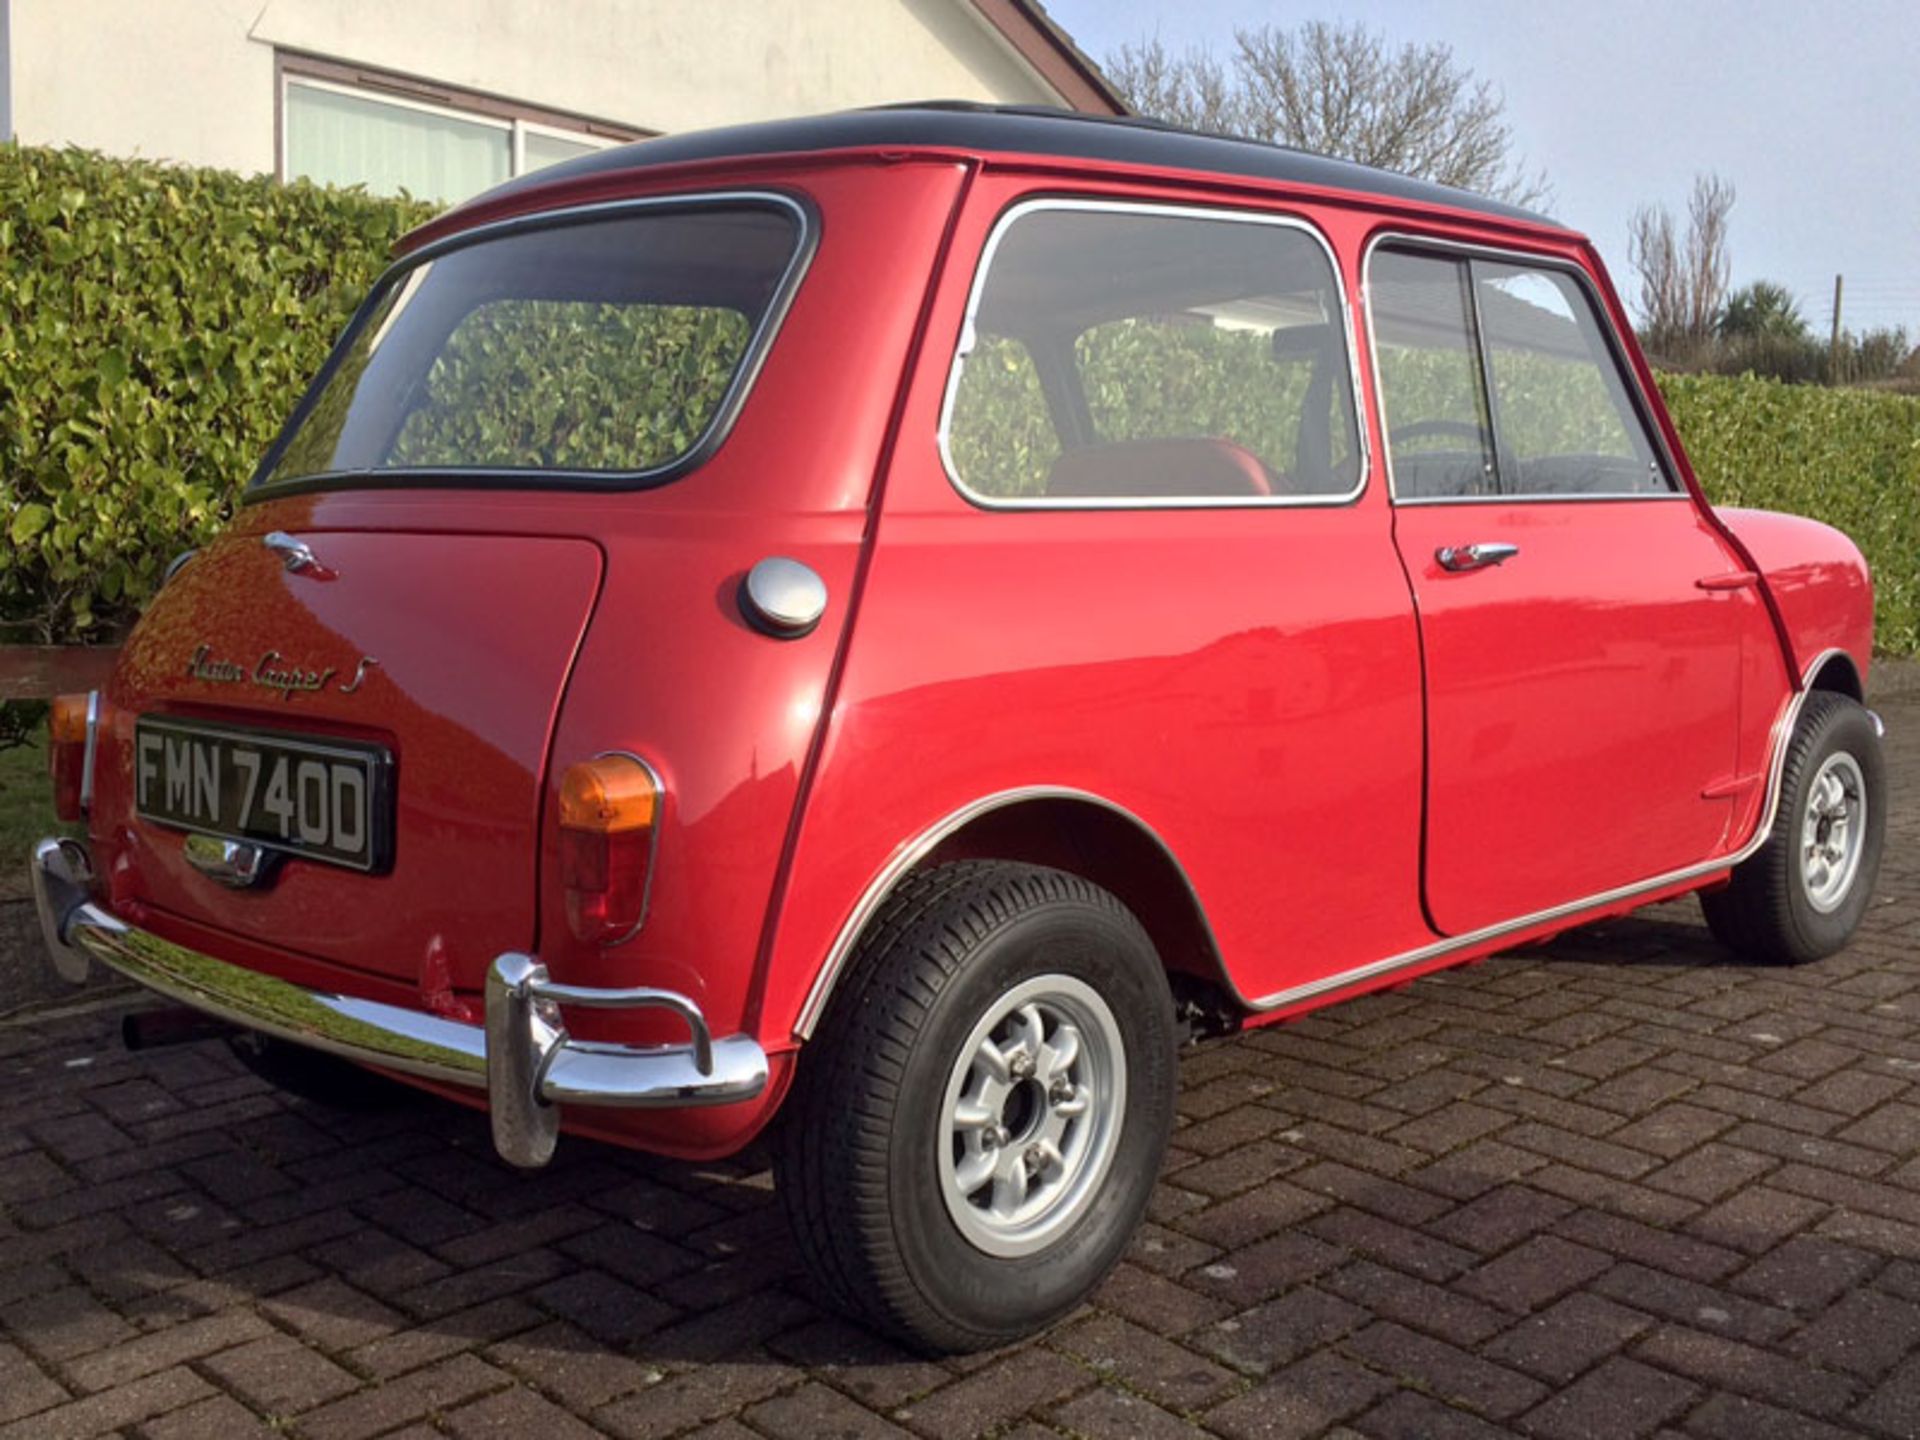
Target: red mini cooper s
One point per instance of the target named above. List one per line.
(889, 622)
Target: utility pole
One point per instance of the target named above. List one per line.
(1833, 350)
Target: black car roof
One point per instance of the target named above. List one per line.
(1030, 130)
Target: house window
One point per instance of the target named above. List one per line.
(540, 146)
(337, 132)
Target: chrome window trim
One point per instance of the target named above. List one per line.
(964, 345)
(1630, 381)
(726, 414)
(912, 854)
(1615, 495)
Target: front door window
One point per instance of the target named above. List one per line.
(1497, 379)
(1564, 416)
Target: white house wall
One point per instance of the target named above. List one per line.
(167, 79)
(193, 80)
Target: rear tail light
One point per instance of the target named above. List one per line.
(609, 819)
(70, 730)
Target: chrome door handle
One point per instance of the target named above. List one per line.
(1475, 557)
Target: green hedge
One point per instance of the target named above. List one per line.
(546, 384)
(156, 325)
(1848, 457)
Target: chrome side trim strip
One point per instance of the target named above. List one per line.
(1782, 733)
(1584, 497)
(1360, 973)
(1094, 204)
(909, 856)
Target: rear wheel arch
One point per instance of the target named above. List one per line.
(1084, 835)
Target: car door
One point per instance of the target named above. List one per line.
(1577, 618)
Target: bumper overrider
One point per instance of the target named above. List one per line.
(522, 1057)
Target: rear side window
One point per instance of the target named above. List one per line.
(1122, 354)
(1496, 379)
(1006, 441)
(611, 347)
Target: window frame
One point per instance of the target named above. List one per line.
(1481, 378)
(404, 92)
(1415, 243)
(965, 343)
(258, 489)
(522, 128)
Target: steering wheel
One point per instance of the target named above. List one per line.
(1423, 429)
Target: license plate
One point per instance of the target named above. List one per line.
(328, 800)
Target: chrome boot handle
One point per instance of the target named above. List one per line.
(1475, 557)
(296, 555)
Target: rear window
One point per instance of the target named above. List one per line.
(602, 347)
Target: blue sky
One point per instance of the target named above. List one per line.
(1812, 111)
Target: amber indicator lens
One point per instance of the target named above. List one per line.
(611, 794)
(608, 807)
(68, 720)
(67, 753)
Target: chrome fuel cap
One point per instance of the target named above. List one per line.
(783, 598)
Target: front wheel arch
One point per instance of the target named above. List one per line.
(1766, 910)
(1837, 672)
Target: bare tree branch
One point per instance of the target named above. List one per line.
(1708, 266)
(1190, 90)
(1340, 90)
(1683, 283)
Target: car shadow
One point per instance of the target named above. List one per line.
(1671, 935)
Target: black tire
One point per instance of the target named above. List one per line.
(858, 1162)
(314, 1075)
(1765, 912)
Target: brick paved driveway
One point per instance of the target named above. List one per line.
(1612, 1186)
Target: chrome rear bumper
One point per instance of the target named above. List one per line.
(522, 1057)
